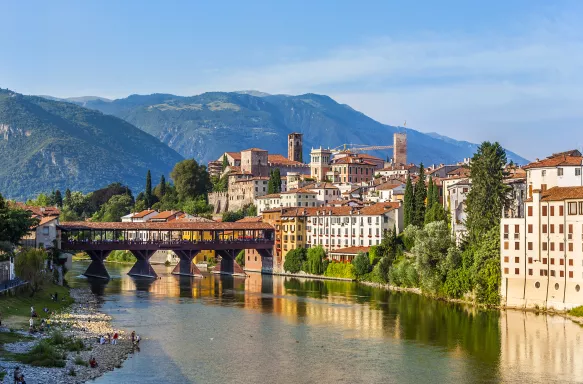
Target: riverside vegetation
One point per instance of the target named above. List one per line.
(425, 256)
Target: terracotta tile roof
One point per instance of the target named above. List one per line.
(352, 160)
(562, 193)
(143, 213)
(461, 182)
(270, 196)
(556, 161)
(37, 211)
(164, 215)
(323, 185)
(379, 208)
(251, 219)
(299, 190)
(346, 202)
(398, 167)
(572, 152)
(234, 155)
(387, 186)
(170, 225)
(461, 171)
(351, 250)
(299, 211)
(254, 150)
(47, 219)
(195, 219)
(280, 159)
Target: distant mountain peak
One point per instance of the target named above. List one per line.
(253, 93)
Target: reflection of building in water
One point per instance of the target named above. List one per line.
(540, 346)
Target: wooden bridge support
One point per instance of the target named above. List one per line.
(185, 266)
(97, 268)
(228, 264)
(142, 267)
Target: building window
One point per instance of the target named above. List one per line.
(530, 260)
(572, 208)
(552, 211)
(516, 246)
(552, 260)
(559, 171)
(561, 261)
(517, 271)
(544, 259)
(517, 259)
(561, 228)
(553, 273)
(581, 207)
(530, 211)
(544, 210)
(530, 272)
(552, 228)
(46, 231)
(561, 210)
(505, 271)
(570, 247)
(544, 228)
(505, 259)
(561, 247)
(577, 171)
(529, 228)
(570, 277)
(530, 245)
(544, 173)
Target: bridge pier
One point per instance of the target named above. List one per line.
(97, 268)
(228, 264)
(185, 266)
(142, 267)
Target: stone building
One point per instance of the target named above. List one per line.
(294, 149)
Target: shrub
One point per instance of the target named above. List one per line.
(315, 256)
(294, 260)
(381, 270)
(42, 355)
(457, 283)
(80, 361)
(577, 311)
(341, 270)
(240, 259)
(361, 264)
(72, 372)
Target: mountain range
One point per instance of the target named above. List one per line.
(47, 145)
(204, 126)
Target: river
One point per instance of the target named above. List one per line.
(273, 329)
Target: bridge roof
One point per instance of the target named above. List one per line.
(170, 225)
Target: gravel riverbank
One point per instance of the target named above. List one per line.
(83, 320)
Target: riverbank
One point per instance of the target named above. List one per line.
(81, 321)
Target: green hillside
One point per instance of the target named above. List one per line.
(47, 144)
(206, 125)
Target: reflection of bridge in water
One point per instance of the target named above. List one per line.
(186, 239)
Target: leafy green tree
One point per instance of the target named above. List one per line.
(114, 209)
(488, 195)
(162, 186)
(374, 254)
(432, 244)
(381, 270)
(197, 206)
(315, 258)
(58, 199)
(294, 260)
(67, 196)
(14, 222)
(42, 200)
(388, 246)
(190, 179)
(240, 259)
(435, 213)
(361, 264)
(225, 162)
(139, 206)
(486, 269)
(408, 203)
(220, 184)
(29, 265)
(148, 190)
(430, 195)
(274, 183)
(250, 210)
(418, 217)
(232, 216)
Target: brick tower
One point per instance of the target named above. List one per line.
(400, 148)
(294, 147)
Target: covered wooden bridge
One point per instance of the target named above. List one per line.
(184, 238)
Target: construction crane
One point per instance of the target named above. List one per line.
(359, 148)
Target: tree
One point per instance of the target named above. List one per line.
(274, 184)
(58, 199)
(240, 259)
(225, 163)
(486, 269)
(294, 260)
(430, 195)
(315, 258)
(197, 206)
(488, 195)
(435, 213)
(29, 265)
(114, 209)
(361, 264)
(409, 203)
(14, 223)
(148, 191)
(190, 179)
(67, 196)
(232, 216)
(418, 216)
(388, 246)
(162, 186)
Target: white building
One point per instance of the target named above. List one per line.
(139, 217)
(341, 227)
(386, 192)
(326, 192)
(457, 195)
(299, 198)
(44, 235)
(542, 253)
(264, 203)
(397, 170)
(558, 170)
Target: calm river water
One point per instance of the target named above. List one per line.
(271, 329)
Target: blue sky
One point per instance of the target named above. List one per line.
(510, 71)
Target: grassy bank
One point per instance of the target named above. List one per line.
(114, 257)
(16, 309)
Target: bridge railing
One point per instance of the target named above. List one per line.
(168, 242)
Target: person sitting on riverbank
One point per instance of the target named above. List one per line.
(93, 362)
(102, 340)
(133, 336)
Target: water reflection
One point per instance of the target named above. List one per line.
(404, 334)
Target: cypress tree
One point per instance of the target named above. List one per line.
(270, 184)
(408, 203)
(67, 196)
(436, 193)
(148, 191)
(58, 198)
(225, 162)
(162, 185)
(277, 180)
(420, 195)
(430, 194)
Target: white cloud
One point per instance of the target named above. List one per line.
(468, 87)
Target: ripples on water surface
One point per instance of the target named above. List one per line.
(271, 329)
